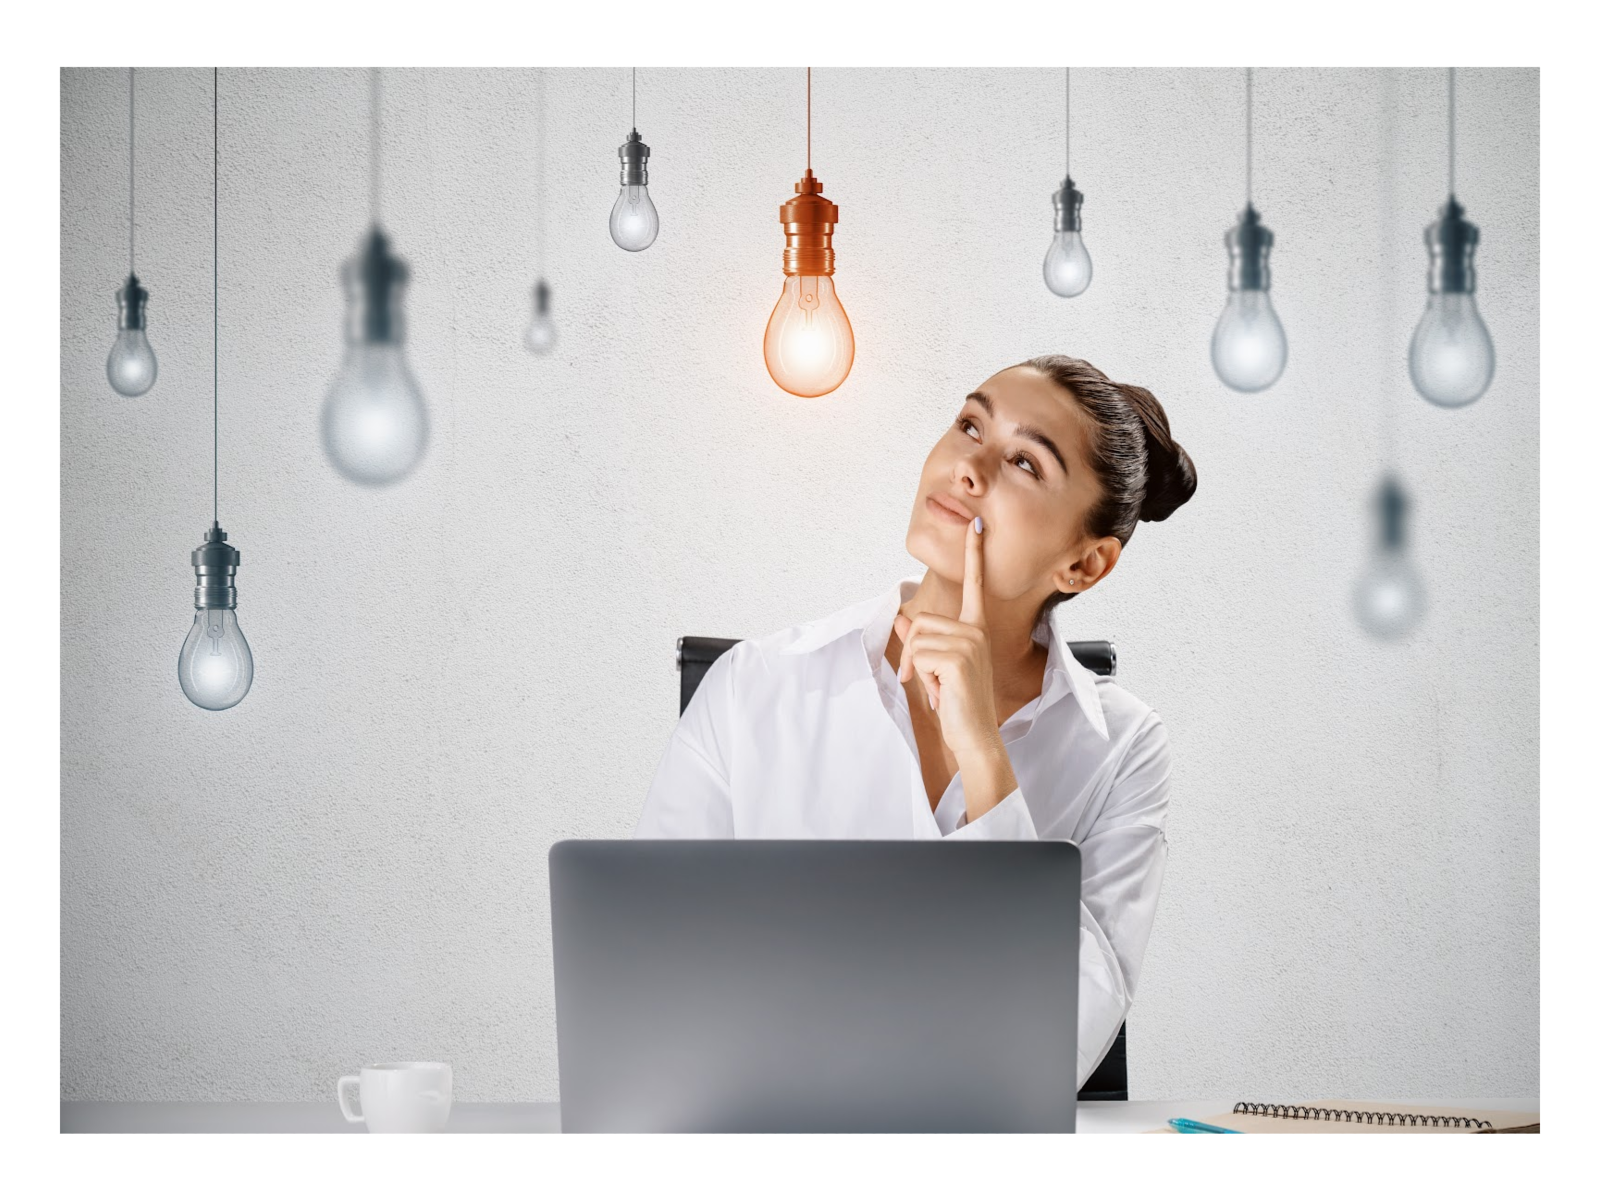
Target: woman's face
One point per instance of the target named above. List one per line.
(1015, 455)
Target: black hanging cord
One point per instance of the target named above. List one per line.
(375, 91)
(214, 508)
(131, 145)
(1068, 73)
(1452, 131)
(1249, 113)
(808, 119)
(636, 99)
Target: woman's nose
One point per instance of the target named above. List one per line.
(969, 473)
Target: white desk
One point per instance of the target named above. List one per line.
(1102, 1116)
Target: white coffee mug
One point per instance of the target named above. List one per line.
(400, 1097)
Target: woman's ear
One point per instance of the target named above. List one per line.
(1089, 568)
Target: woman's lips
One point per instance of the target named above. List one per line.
(940, 510)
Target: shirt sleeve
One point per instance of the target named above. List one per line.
(690, 796)
(1124, 857)
(1008, 821)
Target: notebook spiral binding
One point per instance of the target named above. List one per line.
(1300, 1112)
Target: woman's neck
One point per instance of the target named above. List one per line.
(1018, 660)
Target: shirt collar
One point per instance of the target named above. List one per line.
(872, 620)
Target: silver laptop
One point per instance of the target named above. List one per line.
(796, 986)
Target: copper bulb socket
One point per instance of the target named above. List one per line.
(808, 220)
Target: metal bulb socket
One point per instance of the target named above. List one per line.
(373, 280)
(1249, 244)
(1451, 241)
(808, 220)
(1069, 207)
(131, 299)
(1392, 505)
(214, 565)
(635, 156)
(541, 299)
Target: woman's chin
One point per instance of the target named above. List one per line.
(943, 556)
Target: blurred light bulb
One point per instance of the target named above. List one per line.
(634, 221)
(374, 421)
(541, 335)
(1067, 268)
(215, 667)
(1248, 349)
(809, 345)
(131, 365)
(1452, 358)
(1389, 598)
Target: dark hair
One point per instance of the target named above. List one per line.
(1144, 475)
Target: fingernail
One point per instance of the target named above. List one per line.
(978, 523)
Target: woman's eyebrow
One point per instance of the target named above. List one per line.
(1031, 432)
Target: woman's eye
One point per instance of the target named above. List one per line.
(964, 422)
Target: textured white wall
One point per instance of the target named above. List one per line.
(457, 672)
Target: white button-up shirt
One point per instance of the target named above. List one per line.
(806, 733)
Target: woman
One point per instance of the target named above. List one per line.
(951, 706)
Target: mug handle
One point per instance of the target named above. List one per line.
(349, 1115)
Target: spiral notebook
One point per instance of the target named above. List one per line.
(1354, 1116)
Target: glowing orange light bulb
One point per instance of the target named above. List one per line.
(809, 344)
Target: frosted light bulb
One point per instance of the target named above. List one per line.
(1452, 358)
(215, 667)
(374, 421)
(1248, 348)
(541, 335)
(1389, 599)
(131, 365)
(634, 221)
(809, 345)
(1067, 268)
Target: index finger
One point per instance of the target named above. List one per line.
(972, 579)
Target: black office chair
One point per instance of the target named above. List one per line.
(695, 656)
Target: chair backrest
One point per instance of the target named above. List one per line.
(695, 656)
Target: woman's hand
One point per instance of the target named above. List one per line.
(951, 658)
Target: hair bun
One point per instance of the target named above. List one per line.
(1169, 472)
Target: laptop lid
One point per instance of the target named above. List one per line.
(797, 985)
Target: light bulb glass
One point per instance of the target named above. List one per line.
(1067, 268)
(634, 221)
(131, 365)
(215, 668)
(374, 423)
(540, 337)
(809, 344)
(1248, 349)
(1452, 358)
(1389, 599)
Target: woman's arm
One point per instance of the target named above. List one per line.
(690, 796)
(951, 658)
(1124, 858)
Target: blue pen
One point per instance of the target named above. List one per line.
(1185, 1125)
